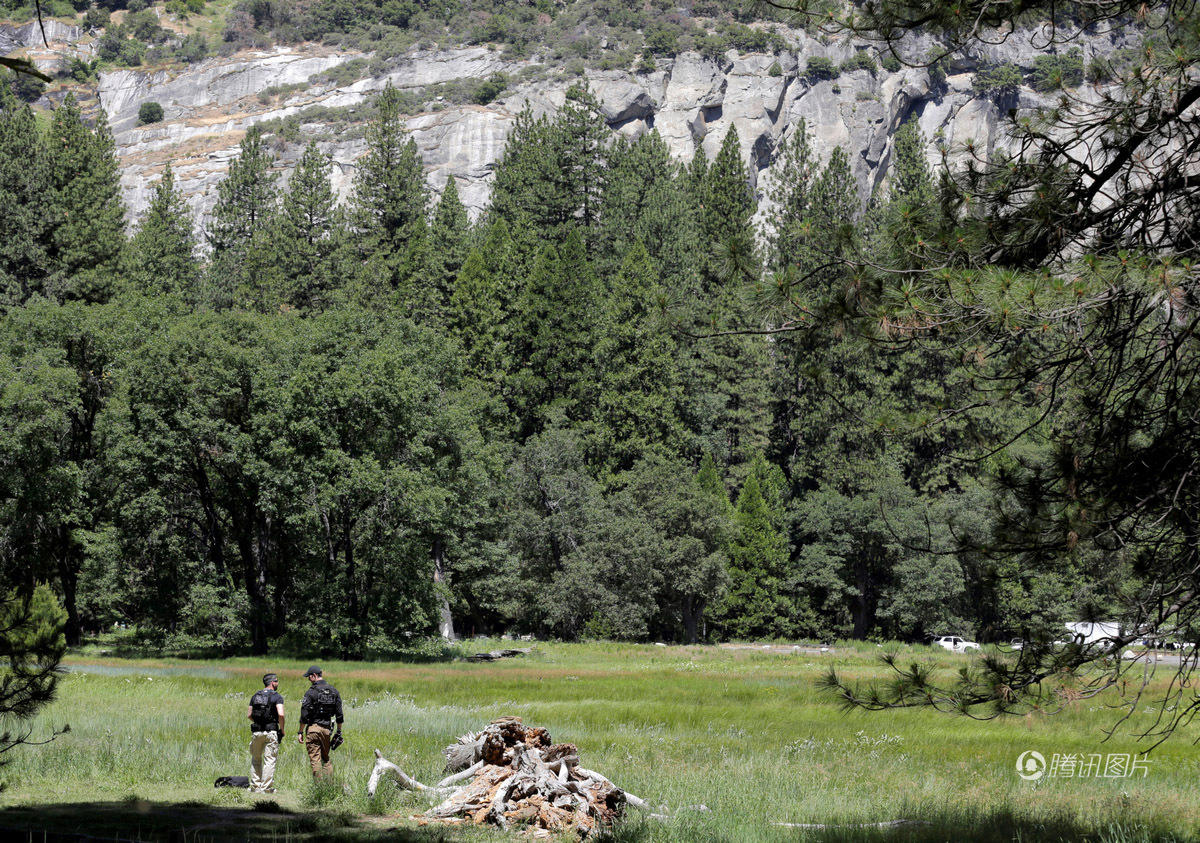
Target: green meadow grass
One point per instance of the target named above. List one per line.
(745, 733)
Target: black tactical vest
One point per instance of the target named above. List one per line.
(263, 716)
(324, 707)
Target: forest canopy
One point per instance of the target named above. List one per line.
(563, 418)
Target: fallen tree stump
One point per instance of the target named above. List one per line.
(510, 776)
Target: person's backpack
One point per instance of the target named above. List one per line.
(326, 705)
(263, 714)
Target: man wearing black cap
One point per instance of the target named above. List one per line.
(322, 706)
(266, 727)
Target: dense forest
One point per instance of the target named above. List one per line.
(602, 409)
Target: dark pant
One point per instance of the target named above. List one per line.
(316, 741)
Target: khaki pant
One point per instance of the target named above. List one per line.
(316, 741)
(264, 749)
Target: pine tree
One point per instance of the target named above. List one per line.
(695, 178)
(909, 213)
(555, 335)
(308, 234)
(476, 318)
(640, 393)
(772, 485)
(552, 172)
(757, 603)
(790, 192)
(24, 194)
(240, 228)
(835, 197)
(481, 310)
(728, 206)
(727, 410)
(582, 159)
(909, 178)
(87, 220)
(448, 247)
(645, 199)
(387, 213)
(815, 226)
(161, 256)
(709, 478)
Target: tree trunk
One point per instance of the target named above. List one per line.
(214, 535)
(255, 573)
(358, 608)
(689, 619)
(864, 603)
(446, 621)
(80, 451)
(70, 562)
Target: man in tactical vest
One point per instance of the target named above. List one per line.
(266, 728)
(321, 708)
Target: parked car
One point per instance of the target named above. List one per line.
(955, 644)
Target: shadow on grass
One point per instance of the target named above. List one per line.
(138, 820)
(997, 828)
(949, 826)
(188, 822)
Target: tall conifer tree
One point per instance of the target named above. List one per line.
(388, 208)
(909, 177)
(87, 220)
(709, 478)
(728, 200)
(816, 209)
(790, 193)
(23, 202)
(645, 199)
(161, 256)
(448, 246)
(308, 234)
(639, 389)
(909, 213)
(552, 172)
(835, 198)
(757, 604)
(481, 309)
(557, 330)
(476, 318)
(727, 409)
(238, 233)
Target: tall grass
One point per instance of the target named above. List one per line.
(743, 733)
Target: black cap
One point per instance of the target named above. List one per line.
(314, 670)
(269, 678)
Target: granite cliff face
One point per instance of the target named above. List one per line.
(690, 101)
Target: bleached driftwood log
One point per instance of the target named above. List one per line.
(382, 768)
(464, 775)
(831, 827)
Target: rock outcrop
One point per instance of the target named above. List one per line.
(690, 100)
